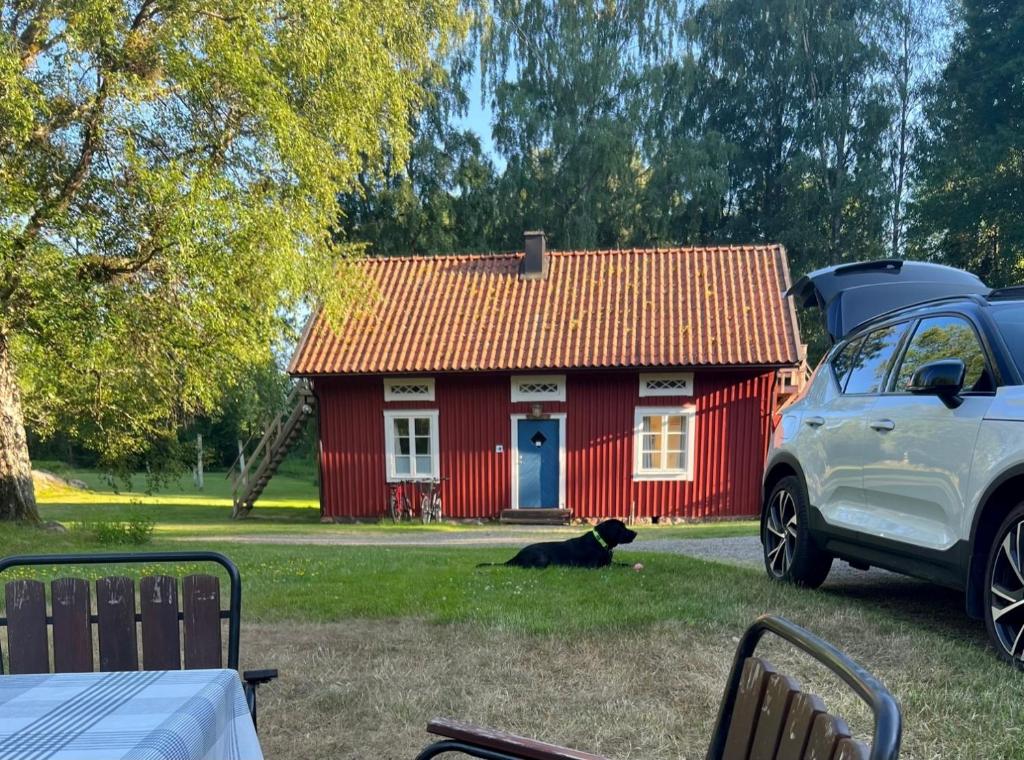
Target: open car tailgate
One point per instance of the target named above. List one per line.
(851, 294)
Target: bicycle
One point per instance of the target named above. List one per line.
(430, 504)
(398, 507)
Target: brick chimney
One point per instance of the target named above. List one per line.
(535, 264)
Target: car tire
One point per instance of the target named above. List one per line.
(1004, 589)
(790, 554)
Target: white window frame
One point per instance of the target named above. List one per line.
(642, 473)
(645, 378)
(390, 416)
(392, 381)
(556, 395)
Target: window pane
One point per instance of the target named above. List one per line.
(652, 424)
(675, 424)
(843, 361)
(1010, 318)
(422, 445)
(402, 465)
(945, 338)
(422, 426)
(422, 465)
(651, 442)
(674, 460)
(872, 362)
(401, 445)
(651, 461)
(401, 426)
(675, 442)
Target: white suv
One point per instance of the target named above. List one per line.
(906, 449)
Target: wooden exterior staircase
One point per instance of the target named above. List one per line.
(253, 469)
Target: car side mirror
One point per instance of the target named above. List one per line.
(943, 378)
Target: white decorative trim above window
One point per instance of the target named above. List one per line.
(408, 389)
(411, 444)
(666, 384)
(538, 388)
(663, 443)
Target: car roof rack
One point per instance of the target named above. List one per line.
(851, 294)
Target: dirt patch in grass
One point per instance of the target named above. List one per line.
(367, 688)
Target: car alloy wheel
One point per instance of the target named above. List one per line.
(781, 533)
(1007, 592)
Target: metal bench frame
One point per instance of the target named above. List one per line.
(251, 678)
(885, 744)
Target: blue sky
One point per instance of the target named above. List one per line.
(478, 119)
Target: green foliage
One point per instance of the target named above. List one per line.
(443, 198)
(659, 123)
(135, 530)
(572, 83)
(968, 210)
(169, 174)
(794, 89)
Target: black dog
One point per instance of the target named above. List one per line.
(593, 549)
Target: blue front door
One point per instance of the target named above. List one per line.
(538, 463)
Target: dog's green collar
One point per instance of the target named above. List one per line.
(600, 540)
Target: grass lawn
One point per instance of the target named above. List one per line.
(289, 507)
(373, 641)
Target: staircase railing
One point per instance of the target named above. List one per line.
(252, 469)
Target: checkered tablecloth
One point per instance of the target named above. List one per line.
(157, 715)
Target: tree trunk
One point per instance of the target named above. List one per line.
(17, 494)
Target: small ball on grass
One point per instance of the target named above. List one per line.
(638, 567)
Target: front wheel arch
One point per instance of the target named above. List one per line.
(991, 514)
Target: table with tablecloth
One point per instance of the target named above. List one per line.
(144, 715)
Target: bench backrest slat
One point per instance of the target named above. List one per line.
(774, 709)
(26, 630)
(850, 749)
(202, 621)
(825, 735)
(802, 712)
(115, 611)
(753, 684)
(72, 631)
(161, 639)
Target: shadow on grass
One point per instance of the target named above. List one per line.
(911, 602)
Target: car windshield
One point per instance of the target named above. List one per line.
(1010, 318)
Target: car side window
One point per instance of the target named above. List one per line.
(843, 360)
(945, 337)
(869, 368)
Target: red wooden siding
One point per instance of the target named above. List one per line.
(730, 437)
(732, 420)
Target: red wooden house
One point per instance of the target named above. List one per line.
(608, 383)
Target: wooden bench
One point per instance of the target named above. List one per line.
(764, 715)
(179, 626)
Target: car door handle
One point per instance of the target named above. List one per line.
(883, 425)
(814, 421)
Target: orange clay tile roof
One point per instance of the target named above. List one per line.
(678, 307)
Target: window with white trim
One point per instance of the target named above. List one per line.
(410, 440)
(408, 389)
(666, 384)
(538, 387)
(663, 443)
